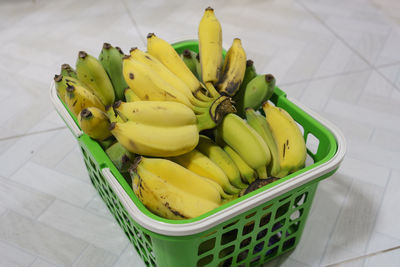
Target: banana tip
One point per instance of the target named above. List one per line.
(117, 104)
(82, 54)
(132, 49)
(269, 77)
(209, 9)
(85, 113)
(151, 34)
(249, 63)
(107, 46)
(65, 66)
(126, 57)
(112, 126)
(186, 53)
(58, 78)
(119, 50)
(70, 88)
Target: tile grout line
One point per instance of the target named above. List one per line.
(32, 133)
(349, 46)
(133, 22)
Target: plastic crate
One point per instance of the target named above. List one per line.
(248, 231)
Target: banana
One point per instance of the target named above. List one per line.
(219, 157)
(130, 95)
(68, 71)
(233, 69)
(112, 115)
(111, 60)
(258, 90)
(236, 133)
(61, 81)
(121, 157)
(155, 140)
(247, 173)
(291, 146)
(165, 74)
(199, 163)
(167, 55)
(210, 47)
(249, 74)
(172, 191)
(161, 113)
(189, 57)
(260, 124)
(78, 97)
(91, 73)
(95, 123)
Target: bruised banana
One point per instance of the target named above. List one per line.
(233, 69)
(288, 137)
(260, 124)
(210, 48)
(68, 71)
(258, 90)
(171, 191)
(199, 163)
(236, 133)
(190, 59)
(249, 74)
(111, 59)
(95, 123)
(92, 74)
(247, 173)
(61, 81)
(78, 97)
(130, 95)
(214, 152)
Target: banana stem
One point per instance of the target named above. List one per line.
(204, 121)
(262, 172)
(210, 87)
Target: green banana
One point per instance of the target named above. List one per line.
(111, 59)
(258, 90)
(260, 124)
(68, 71)
(247, 173)
(61, 81)
(92, 74)
(219, 157)
(189, 57)
(121, 157)
(249, 74)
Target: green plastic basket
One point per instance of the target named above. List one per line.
(248, 231)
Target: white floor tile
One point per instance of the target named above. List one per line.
(40, 239)
(129, 257)
(12, 256)
(78, 222)
(55, 184)
(387, 259)
(379, 242)
(43, 263)
(73, 165)
(97, 206)
(96, 257)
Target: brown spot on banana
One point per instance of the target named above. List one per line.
(175, 212)
(107, 46)
(131, 76)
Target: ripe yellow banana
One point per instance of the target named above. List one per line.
(155, 140)
(161, 113)
(92, 74)
(233, 69)
(247, 173)
(130, 95)
(199, 163)
(61, 81)
(291, 146)
(95, 123)
(235, 132)
(112, 115)
(219, 157)
(78, 97)
(210, 47)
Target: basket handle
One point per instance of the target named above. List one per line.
(63, 112)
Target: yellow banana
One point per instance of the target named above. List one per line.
(235, 132)
(219, 157)
(78, 97)
(112, 115)
(247, 173)
(210, 47)
(61, 81)
(155, 140)
(233, 69)
(95, 123)
(291, 146)
(92, 74)
(161, 113)
(199, 163)
(130, 95)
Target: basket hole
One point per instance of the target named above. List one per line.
(92, 164)
(204, 261)
(282, 210)
(148, 238)
(267, 207)
(312, 143)
(300, 200)
(153, 263)
(262, 234)
(255, 261)
(229, 236)
(245, 242)
(248, 228)
(226, 251)
(251, 215)
(293, 228)
(242, 256)
(259, 247)
(272, 252)
(278, 225)
(296, 214)
(230, 224)
(274, 239)
(289, 243)
(265, 219)
(84, 153)
(226, 263)
(206, 246)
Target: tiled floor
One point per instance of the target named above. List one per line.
(338, 57)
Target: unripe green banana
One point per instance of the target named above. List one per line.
(95, 123)
(68, 71)
(246, 142)
(121, 157)
(249, 74)
(111, 59)
(219, 157)
(260, 124)
(258, 90)
(130, 95)
(112, 115)
(247, 173)
(92, 74)
(189, 57)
